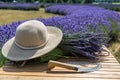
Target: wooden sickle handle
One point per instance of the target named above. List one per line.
(52, 64)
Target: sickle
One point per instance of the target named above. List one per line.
(52, 64)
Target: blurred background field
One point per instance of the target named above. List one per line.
(9, 16)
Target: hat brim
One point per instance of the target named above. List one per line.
(12, 52)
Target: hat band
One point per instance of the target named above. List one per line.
(32, 47)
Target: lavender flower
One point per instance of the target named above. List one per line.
(19, 6)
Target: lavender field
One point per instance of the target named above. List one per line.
(86, 28)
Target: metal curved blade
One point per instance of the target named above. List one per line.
(91, 69)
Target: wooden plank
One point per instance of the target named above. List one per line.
(43, 78)
(110, 70)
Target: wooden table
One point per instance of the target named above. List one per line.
(110, 71)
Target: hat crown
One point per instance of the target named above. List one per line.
(31, 34)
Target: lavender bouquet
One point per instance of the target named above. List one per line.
(83, 44)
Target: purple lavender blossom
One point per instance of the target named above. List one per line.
(19, 6)
(87, 16)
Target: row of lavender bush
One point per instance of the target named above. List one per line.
(20, 6)
(92, 18)
(85, 28)
(115, 7)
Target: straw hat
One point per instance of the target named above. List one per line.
(33, 39)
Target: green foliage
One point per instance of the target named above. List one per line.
(69, 1)
(115, 32)
(3, 60)
(53, 55)
(59, 1)
(115, 9)
(117, 55)
(89, 1)
(79, 1)
(83, 1)
(105, 30)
